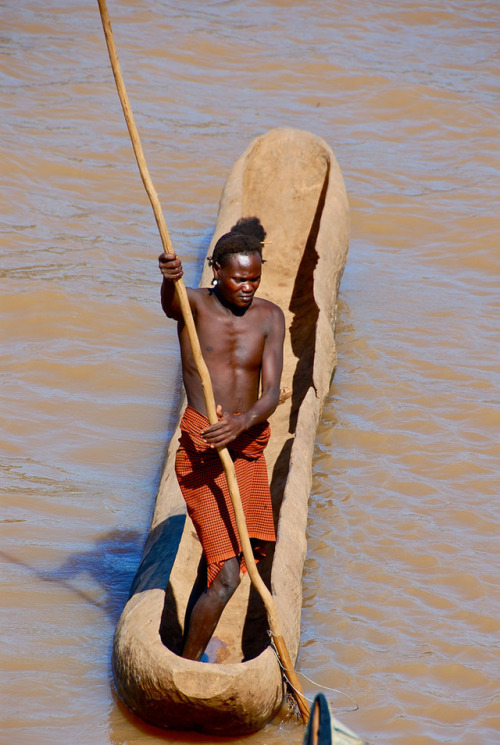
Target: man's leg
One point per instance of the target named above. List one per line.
(199, 587)
(208, 609)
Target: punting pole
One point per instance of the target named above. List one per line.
(272, 614)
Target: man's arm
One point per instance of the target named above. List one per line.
(231, 425)
(171, 269)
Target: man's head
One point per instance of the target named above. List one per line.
(237, 261)
(238, 279)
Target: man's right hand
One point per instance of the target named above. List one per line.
(170, 266)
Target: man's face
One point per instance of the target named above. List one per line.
(239, 278)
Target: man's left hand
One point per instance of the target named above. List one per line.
(219, 435)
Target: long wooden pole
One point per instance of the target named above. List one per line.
(204, 374)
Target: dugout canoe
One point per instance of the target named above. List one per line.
(291, 180)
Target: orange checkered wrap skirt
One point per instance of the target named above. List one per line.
(203, 484)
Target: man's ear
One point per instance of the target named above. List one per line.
(216, 267)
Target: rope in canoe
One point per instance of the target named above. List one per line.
(355, 706)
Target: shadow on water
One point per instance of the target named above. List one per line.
(159, 555)
(111, 563)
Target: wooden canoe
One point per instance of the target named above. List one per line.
(291, 180)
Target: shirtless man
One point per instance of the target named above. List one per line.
(241, 338)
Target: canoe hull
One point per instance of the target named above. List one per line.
(291, 181)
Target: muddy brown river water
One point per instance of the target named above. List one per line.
(401, 610)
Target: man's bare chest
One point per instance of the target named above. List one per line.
(233, 341)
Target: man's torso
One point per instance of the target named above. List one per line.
(232, 347)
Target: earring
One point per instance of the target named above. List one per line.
(214, 282)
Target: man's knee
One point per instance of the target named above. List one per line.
(227, 580)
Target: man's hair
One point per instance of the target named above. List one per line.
(245, 237)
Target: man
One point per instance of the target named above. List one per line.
(241, 339)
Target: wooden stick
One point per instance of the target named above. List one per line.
(203, 372)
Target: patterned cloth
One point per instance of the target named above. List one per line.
(203, 484)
